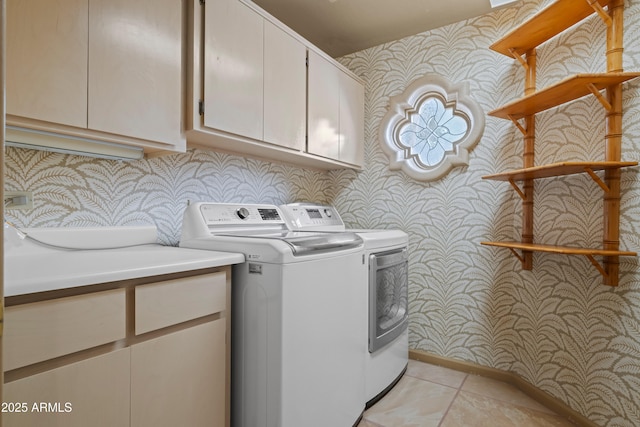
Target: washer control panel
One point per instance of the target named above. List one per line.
(218, 213)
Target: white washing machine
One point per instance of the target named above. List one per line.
(296, 319)
(385, 289)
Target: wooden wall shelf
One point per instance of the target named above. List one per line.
(556, 169)
(590, 253)
(523, 40)
(543, 26)
(566, 250)
(567, 90)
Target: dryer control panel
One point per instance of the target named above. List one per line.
(312, 217)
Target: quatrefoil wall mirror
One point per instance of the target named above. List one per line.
(431, 127)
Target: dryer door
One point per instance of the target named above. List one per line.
(388, 297)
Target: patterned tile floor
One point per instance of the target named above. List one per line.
(432, 396)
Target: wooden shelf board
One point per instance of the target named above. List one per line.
(567, 90)
(566, 250)
(556, 169)
(546, 24)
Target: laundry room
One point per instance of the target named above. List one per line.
(556, 331)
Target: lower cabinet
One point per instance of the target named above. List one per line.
(93, 392)
(172, 372)
(179, 379)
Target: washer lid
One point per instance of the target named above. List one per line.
(307, 243)
(227, 227)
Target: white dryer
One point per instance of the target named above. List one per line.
(385, 288)
(296, 319)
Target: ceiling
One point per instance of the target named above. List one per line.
(340, 27)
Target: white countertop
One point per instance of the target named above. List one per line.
(31, 268)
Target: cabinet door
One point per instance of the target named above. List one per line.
(233, 68)
(351, 120)
(47, 60)
(285, 85)
(135, 68)
(323, 110)
(93, 392)
(180, 379)
(44, 330)
(167, 303)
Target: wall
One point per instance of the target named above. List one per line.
(556, 326)
(75, 191)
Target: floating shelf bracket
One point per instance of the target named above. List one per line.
(597, 179)
(597, 265)
(520, 59)
(517, 255)
(599, 96)
(518, 125)
(600, 11)
(515, 187)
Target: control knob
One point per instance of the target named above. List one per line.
(328, 213)
(243, 213)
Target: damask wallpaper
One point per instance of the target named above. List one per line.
(75, 191)
(556, 326)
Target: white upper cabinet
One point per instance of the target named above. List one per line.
(324, 112)
(233, 67)
(351, 120)
(336, 112)
(101, 70)
(135, 68)
(285, 87)
(47, 60)
(249, 90)
(254, 76)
